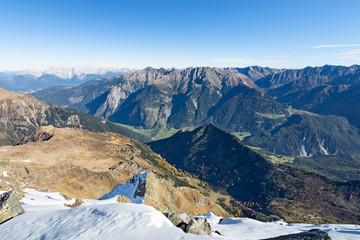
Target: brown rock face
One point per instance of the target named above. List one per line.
(163, 196)
(10, 206)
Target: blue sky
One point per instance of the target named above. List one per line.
(37, 34)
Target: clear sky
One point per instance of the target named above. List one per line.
(36, 34)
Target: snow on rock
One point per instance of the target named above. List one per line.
(5, 174)
(322, 147)
(134, 189)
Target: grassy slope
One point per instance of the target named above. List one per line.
(156, 133)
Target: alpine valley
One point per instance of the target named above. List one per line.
(234, 153)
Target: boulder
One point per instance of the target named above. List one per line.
(177, 218)
(77, 203)
(123, 199)
(198, 226)
(10, 206)
(313, 234)
(190, 224)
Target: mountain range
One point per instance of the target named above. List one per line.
(323, 90)
(29, 80)
(239, 100)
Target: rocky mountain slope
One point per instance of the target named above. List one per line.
(22, 114)
(257, 72)
(292, 80)
(177, 98)
(341, 168)
(29, 81)
(309, 135)
(323, 90)
(86, 165)
(293, 194)
(342, 100)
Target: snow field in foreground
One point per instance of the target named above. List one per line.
(46, 217)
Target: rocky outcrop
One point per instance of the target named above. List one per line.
(161, 194)
(77, 203)
(10, 206)
(313, 234)
(39, 135)
(198, 226)
(190, 224)
(123, 199)
(134, 189)
(150, 189)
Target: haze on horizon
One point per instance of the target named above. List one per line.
(172, 33)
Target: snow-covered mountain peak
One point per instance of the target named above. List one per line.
(80, 73)
(69, 73)
(35, 73)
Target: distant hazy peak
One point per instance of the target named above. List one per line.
(68, 73)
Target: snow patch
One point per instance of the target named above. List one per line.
(321, 146)
(19, 160)
(5, 174)
(303, 152)
(134, 189)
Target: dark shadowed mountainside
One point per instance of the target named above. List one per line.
(293, 194)
(309, 135)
